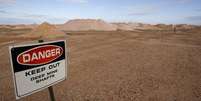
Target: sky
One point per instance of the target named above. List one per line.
(60, 11)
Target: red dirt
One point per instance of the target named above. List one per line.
(123, 66)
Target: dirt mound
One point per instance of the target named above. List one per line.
(7, 26)
(164, 26)
(23, 26)
(100, 25)
(45, 30)
(124, 26)
(44, 27)
(87, 25)
(184, 26)
(143, 26)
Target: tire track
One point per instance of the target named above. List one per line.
(105, 45)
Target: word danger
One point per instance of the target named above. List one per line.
(40, 55)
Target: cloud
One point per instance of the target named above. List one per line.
(3, 12)
(77, 1)
(12, 20)
(198, 10)
(22, 15)
(138, 13)
(18, 15)
(7, 1)
(15, 17)
(194, 18)
(184, 1)
(141, 11)
(34, 16)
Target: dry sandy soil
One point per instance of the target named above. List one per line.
(121, 66)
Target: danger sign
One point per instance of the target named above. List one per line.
(37, 66)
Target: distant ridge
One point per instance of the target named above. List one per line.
(87, 25)
(46, 29)
(101, 25)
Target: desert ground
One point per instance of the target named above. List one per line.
(140, 65)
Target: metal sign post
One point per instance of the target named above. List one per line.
(50, 89)
(51, 92)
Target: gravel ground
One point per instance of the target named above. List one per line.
(122, 66)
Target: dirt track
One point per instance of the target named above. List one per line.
(123, 66)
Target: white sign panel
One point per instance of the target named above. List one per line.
(37, 66)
